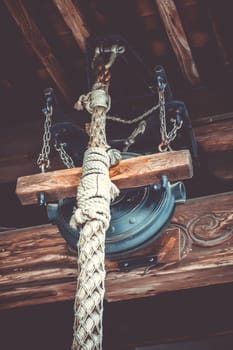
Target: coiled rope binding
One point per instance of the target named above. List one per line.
(92, 216)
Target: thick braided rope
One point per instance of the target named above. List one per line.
(94, 195)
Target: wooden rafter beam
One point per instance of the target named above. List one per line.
(129, 173)
(40, 46)
(215, 137)
(74, 20)
(178, 39)
(38, 267)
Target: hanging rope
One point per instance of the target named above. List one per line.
(94, 195)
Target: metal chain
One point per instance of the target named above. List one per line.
(167, 137)
(140, 129)
(65, 157)
(135, 120)
(43, 159)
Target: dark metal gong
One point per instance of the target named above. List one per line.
(137, 216)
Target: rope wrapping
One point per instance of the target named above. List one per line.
(92, 215)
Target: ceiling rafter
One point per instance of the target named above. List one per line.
(39, 44)
(74, 20)
(178, 40)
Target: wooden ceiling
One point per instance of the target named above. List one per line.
(43, 44)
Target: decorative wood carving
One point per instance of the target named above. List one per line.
(211, 229)
(185, 240)
(38, 267)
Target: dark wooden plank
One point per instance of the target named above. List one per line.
(178, 39)
(134, 172)
(40, 46)
(38, 267)
(73, 18)
(215, 136)
(212, 119)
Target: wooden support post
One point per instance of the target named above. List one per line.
(178, 39)
(38, 267)
(38, 43)
(134, 172)
(74, 21)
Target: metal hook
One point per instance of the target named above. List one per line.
(114, 51)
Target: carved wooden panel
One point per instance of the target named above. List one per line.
(38, 267)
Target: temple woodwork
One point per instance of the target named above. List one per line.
(48, 45)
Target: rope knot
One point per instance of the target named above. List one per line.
(97, 97)
(95, 191)
(94, 195)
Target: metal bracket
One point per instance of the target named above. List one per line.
(50, 98)
(162, 82)
(137, 262)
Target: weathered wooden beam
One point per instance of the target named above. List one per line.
(215, 137)
(38, 267)
(219, 40)
(73, 18)
(134, 172)
(178, 39)
(40, 46)
(41, 256)
(213, 119)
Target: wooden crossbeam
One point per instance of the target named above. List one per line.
(40, 46)
(38, 267)
(134, 172)
(178, 39)
(19, 148)
(73, 18)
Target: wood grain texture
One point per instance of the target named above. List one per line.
(38, 267)
(215, 136)
(36, 260)
(39, 44)
(178, 39)
(134, 172)
(73, 18)
(209, 221)
(212, 119)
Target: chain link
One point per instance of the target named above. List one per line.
(136, 119)
(167, 137)
(43, 160)
(140, 129)
(65, 157)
